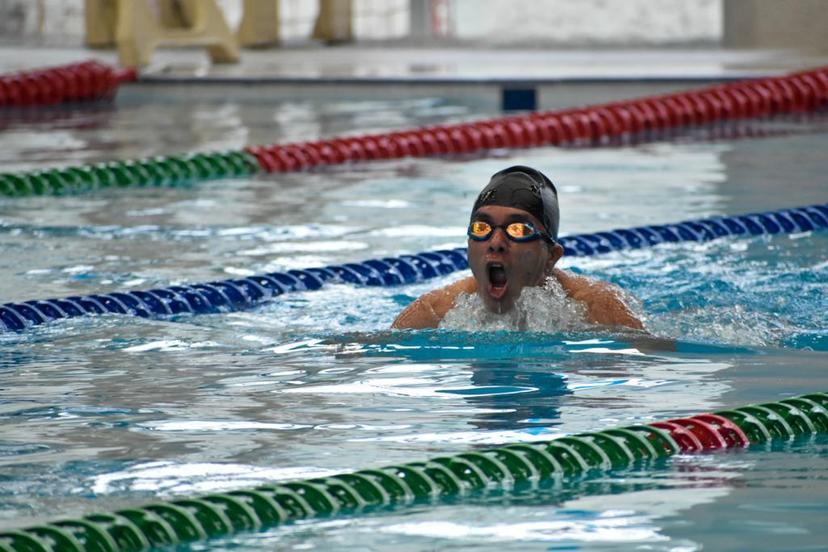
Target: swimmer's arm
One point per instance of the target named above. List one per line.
(430, 308)
(603, 300)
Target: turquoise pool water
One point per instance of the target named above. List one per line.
(100, 413)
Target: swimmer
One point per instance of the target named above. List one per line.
(512, 244)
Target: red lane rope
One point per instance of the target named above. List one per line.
(684, 438)
(707, 434)
(85, 81)
(732, 434)
(704, 432)
(798, 92)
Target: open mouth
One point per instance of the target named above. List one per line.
(497, 280)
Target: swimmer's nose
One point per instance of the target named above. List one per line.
(498, 241)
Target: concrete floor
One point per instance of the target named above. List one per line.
(395, 63)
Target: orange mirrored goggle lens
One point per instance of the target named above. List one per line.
(515, 231)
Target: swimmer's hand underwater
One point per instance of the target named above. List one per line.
(603, 302)
(513, 233)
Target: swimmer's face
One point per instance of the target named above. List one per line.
(502, 267)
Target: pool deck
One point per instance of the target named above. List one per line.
(395, 70)
(400, 63)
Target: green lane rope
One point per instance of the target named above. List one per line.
(168, 524)
(173, 170)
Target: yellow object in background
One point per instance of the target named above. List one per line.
(333, 25)
(260, 23)
(138, 27)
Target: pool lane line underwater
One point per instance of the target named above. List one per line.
(75, 82)
(526, 465)
(237, 294)
(592, 125)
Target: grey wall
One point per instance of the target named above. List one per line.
(798, 24)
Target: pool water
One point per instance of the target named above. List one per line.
(105, 412)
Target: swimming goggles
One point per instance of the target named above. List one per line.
(515, 231)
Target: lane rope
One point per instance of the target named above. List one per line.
(178, 521)
(592, 125)
(237, 294)
(797, 92)
(169, 170)
(84, 81)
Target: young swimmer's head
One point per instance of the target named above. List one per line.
(523, 188)
(512, 235)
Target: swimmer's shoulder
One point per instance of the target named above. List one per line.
(430, 308)
(604, 302)
(575, 285)
(466, 285)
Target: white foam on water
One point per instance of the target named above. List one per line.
(545, 309)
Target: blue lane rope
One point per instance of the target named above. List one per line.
(238, 294)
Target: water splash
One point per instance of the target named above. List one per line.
(545, 309)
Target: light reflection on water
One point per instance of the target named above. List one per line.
(111, 411)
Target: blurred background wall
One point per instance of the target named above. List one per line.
(518, 22)
(543, 23)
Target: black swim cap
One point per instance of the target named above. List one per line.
(523, 188)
